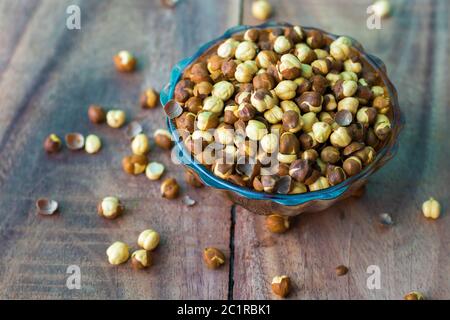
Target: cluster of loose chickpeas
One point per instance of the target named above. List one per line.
(136, 163)
(307, 101)
(119, 252)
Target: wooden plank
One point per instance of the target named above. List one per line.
(414, 253)
(48, 77)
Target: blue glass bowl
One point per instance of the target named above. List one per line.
(291, 204)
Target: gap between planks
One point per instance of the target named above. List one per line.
(233, 207)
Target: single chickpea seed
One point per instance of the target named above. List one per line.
(148, 239)
(110, 208)
(149, 99)
(140, 145)
(141, 259)
(341, 270)
(96, 114)
(163, 139)
(213, 258)
(134, 164)
(118, 253)
(92, 144)
(154, 170)
(431, 208)
(52, 144)
(277, 224)
(115, 118)
(125, 61)
(261, 9)
(281, 286)
(414, 295)
(170, 188)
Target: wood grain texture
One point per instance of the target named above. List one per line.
(415, 252)
(48, 77)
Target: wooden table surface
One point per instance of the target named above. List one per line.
(48, 77)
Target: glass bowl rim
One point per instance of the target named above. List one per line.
(385, 154)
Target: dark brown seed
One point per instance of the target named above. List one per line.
(96, 114)
(335, 175)
(364, 94)
(52, 144)
(283, 169)
(273, 71)
(289, 144)
(309, 100)
(244, 87)
(183, 91)
(237, 179)
(243, 97)
(264, 81)
(372, 139)
(338, 89)
(371, 77)
(372, 115)
(246, 112)
(343, 118)
(292, 35)
(306, 141)
(341, 270)
(199, 73)
(315, 174)
(353, 147)
(260, 94)
(290, 120)
(319, 84)
(276, 32)
(265, 45)
(330, 154)
(186, 121)
(352, 166)
(357, 131)
(252, 35)
(300, 169)
(310, 154)
(162, 140)
(240, 126)
(229, 69)
(229, 117)
(304, 86)
(194, 104)
(315, 39)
